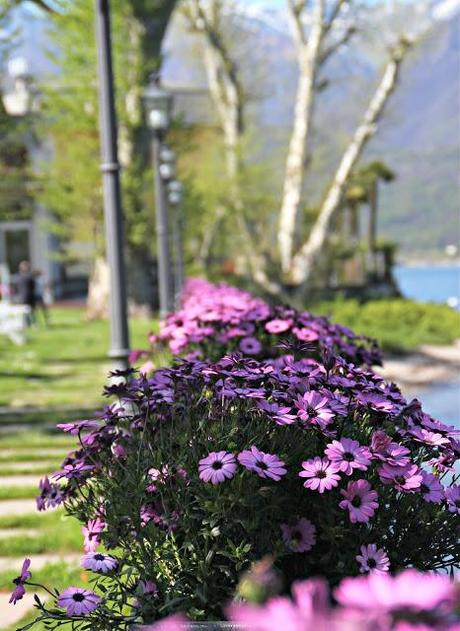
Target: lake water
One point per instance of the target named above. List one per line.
(429, 283)
(434, 283)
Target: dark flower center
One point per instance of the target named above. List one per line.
(356, 501)
(457, 503)
(321, 474)
(348, 456)
(400, 479)
(99, 557)
(296, 536)
(371, 563)
(311, 411)
(424, 489)
(217, 465)
(261, 464)
(78, 598)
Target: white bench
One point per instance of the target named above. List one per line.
(13, 321)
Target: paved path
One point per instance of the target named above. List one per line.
(17, 507)
(7, 533)
(38, 561)
(7, 481)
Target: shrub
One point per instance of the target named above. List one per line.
(205, 467)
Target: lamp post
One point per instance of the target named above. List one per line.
(158, 105)
(110, 167)
(175, 195)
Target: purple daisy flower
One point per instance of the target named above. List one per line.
(301, 537)
(431, 488)
(405, 479)
(78, 426)
(91, 533)
(98, 562)
(427, 437)
(20, 581)
(348, 455)
(373, 560)
(280, 414)
(321, 473)
(265, 465)
(78, 601)
(217, 467)
(360, 500)
(453, 498)
(313, 408)
(250, 346)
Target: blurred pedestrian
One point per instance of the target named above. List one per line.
(41, 295)
(25, 283)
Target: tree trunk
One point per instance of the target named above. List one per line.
(308, 56)
(98, 290)
(303, 261)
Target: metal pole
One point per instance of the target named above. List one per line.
(163, 252)
(178, 255)
(110, 167)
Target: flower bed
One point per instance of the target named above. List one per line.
(199, 470)
(219, 319)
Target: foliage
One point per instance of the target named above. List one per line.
(303, 456)
(399, 325)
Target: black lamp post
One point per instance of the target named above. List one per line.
(158, 106)
(175, 195)
(110, 167)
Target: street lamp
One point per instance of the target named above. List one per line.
(158, 108)
(175, 195)
(110, 167)
(167, 163)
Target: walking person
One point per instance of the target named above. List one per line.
(41, 295)
(26, 283)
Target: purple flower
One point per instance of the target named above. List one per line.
(301, 537)
(78, 601)
(78, 426)
(265, 465)
(98, 562)
(372, 559)
(280, 414)
(250, 346)
(313, 409)
(50, 495)
(431, 488)
(321, 473)
(376, 402)
(217, 467)
(348, 455)
(360, 500)
(405, 479)
(453, 498)
(20, 581)
(305, 334)
(91, 533)
(278, 326)
(384, 449)
(427, 437)
(146, 588)
(73, 471)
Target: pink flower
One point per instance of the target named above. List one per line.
(381, 591)
(78, 601)
(427, 437)
(313, 409)
(91, 533)
(147, 368)
(217, 467)
(431, 488)
(176, 622)
(278, 326)
(348, 455)
(360, 500)
(281, 415)
(301, 537)
(405, 479)
(265, 465)
(321, 473)
(372, 559)
(305, 335)
(20, 581)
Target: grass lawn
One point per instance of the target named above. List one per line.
(63, 365)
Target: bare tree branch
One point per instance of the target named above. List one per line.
(334, 14)
(304, 260)
(341, 41)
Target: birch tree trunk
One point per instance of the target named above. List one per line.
(308, 50)
(303, 261)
